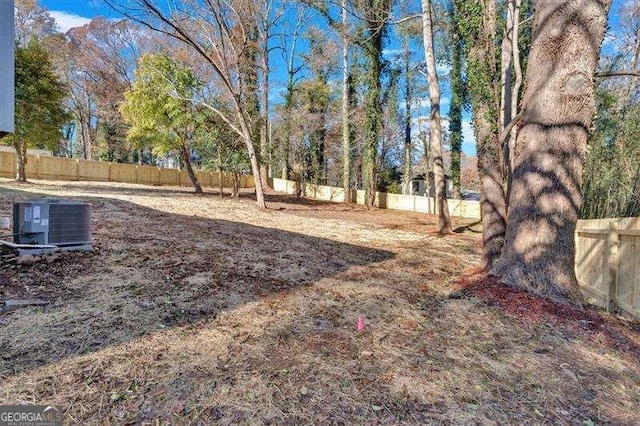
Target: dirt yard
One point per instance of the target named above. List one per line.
(201, 310)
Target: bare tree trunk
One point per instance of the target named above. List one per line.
(558, 108)
(253, 159)
(235, 190)
(292, 70)
(187, 163)
(426, 153)
(284, 149)
(408, 148)
(444, 221)
(264, 119)
(456, 105)
(220, 173)
(506, 78)
(221, 177)
(346, 133)
(88, 141)
(21, 160)
(515, 93)
(85, 135)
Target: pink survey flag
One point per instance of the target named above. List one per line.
(360, 323)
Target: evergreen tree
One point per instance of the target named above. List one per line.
(40, 111)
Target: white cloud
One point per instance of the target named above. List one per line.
(424, 102)
(391, 52)
(443, 69)
(468, 132)
(66, 20)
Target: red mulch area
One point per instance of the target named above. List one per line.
(528, 307)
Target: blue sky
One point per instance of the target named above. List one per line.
(74, 13)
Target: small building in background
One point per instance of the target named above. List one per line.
(421, 187)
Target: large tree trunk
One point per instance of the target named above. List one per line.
(509, 89)
(184, 152)
(485, 99)
(346, 132)
(372, 122)
(376, 13)
(444, 221)
(558, 108)
(490, 152)
(493, 202)
(248, 108)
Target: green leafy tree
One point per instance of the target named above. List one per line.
(222, 150)
(161, 110)
(612, 171)
(40, 111)
(315, 98)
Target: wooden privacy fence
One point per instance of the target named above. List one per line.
(608, 262)
(607, 250)
(412, 203)
(59, 168)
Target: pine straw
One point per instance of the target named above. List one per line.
(196, 310)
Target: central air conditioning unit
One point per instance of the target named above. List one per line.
(52, 222)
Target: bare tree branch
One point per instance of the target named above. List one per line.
(622, 73)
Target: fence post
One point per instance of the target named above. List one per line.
(613, 265)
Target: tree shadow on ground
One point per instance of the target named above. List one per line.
(153, 270)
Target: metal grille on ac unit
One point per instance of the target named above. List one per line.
(52, 222)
